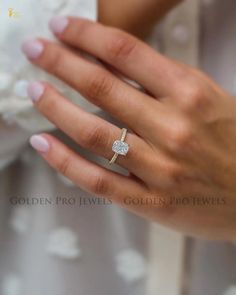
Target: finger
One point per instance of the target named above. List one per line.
(88, 176)
(95, 83)
(132, 57)
(88, 130)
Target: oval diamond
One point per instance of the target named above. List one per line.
(120, 147)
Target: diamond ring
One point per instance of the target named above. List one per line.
(120, 147)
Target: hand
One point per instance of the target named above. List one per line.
(136, 17)
(182, 152)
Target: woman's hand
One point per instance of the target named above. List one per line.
(134, 16)
(181, 160)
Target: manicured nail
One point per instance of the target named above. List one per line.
(35, 91)
(32, 49)
(39, 143)
(58, 24)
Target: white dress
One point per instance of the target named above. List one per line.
(56, 239)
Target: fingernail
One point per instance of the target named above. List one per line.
(58, 24)
(32, 49)
(35, 91)
(39, 143)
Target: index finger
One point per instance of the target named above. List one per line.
(130, 56)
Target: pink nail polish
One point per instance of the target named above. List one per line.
(58, 24)
(39, 143)
(32, 49)
(35, 91)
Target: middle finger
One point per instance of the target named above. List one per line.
(96, 83)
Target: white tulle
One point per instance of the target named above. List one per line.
(15, 71)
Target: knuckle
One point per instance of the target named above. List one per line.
(174, 172)
(96, 138)
(193, 97)
(64, 165)
(99, 87)
(121, 46)
(100, 185)
(180, 136)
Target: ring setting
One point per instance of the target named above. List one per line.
(120, 147)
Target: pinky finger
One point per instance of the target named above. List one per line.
(87, 175)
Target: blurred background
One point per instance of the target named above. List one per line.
(56, 239)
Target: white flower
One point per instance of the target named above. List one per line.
(5, 80)
(131, 265)
(63, 243)
(19, 220)
(20, 88)
(11, 285)
(230, 291)
(181, 33)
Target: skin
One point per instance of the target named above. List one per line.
(182, 148)
(134, 16)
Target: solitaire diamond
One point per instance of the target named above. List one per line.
(120, 147)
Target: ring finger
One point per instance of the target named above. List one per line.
(88, 130)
